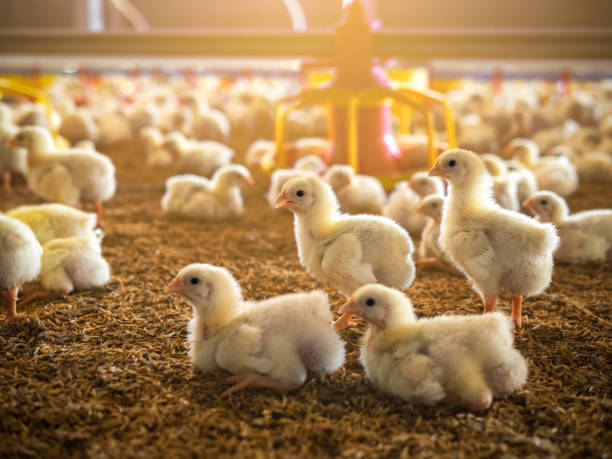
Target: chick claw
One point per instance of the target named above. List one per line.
(252, 379)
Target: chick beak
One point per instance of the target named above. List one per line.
(419, 208)
(176, 286)
(436, 171)
(350, 307)
(282, 200)
(346, 311)
(529, 204)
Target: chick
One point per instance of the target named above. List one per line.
(357, 194)
(463, 360)
(72, 263)
(70, 177)
(53, 221)
(505, 186)
(202, 158)
(430, 252)
(20, 255)
(585, 236)
(552, 173)
(196, 197)
(526, 183)
(308, 165)
(12, 160)
(271, 343)
(403, 201)
(78, 126)
(497, 249)
(345, 251)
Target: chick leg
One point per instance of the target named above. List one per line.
(517, 302)
(37, 295)
(97, 206)
(252, 379)
(11, 297)
(490, 301)
(6, 181)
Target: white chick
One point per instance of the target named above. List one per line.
(153, 140)
(258, 151)
(306, 166)
(526, 183)
(357, 194)
(430, 252)
(202, 158)
(345, 251)
(207, 123)
(463, 360)
(497, 249)
(505, 186)
(72, 263)
(20, 255)
(556, 174)
(196, 197)
(403, 201)
(271, 343)
(585, 236)
(53, 221)
(12, 160)
(594, 166)
(69, 176)
(78, 126)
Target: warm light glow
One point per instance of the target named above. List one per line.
(298, 18)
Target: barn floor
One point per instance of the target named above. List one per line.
(105, 373)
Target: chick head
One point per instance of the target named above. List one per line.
(547, 206)
(32, 138)
(459, 167)
(382, 307)
(211, 290)
(311, 163)
(339, 176)
(494, 164)
(233, 175)
(526, 151)
(423, 185)
(304, 194)
(431, 206)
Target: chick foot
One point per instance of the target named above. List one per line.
(11, 297)
(252, 379)
(490, 301)
(37, 295)
(97, 206)
(517, 302)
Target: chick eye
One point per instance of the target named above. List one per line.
(194, 280)
(543, 202)
(300, 193)
(452, 163)
(370, 302)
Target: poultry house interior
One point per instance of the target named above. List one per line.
(175, 133)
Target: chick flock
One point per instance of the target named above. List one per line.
(349, 234)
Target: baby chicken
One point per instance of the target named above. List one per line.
(68, 176)
(430, 252)
(505, 189)
(526, 183)
(308, 165)
(345, 251)
(585, 236)
(72, 263)
(20, 255)
(464, 360)
(357, 194)
(554, 173)
(12, 160)
(403, 202)
(497, 249)
(202, 157)
(197, 197)
(53, 221)
(271, 343)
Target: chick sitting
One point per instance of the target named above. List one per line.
(357, 194)
(197, 197)
(462, 360)
(271, 343)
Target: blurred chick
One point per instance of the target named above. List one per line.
(357, 194)
(345, 251)
(12, 160)
(70, 176)
(20, 259)
(552, 173)
(496, 249)
(430, 252)
(505, 189)
(585, 236)
(463, 360)
(53, 221)
(271, 343)
(202, 157)
(308, 165)
(526, 183)
(197, 197)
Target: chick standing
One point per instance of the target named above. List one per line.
(69, 176)
(20, 259)
(465, 360)
(200, 198)
(345, 251)
(585, 236)
(12, 160)
(307, 165)
(497, 249)
(271, 343)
